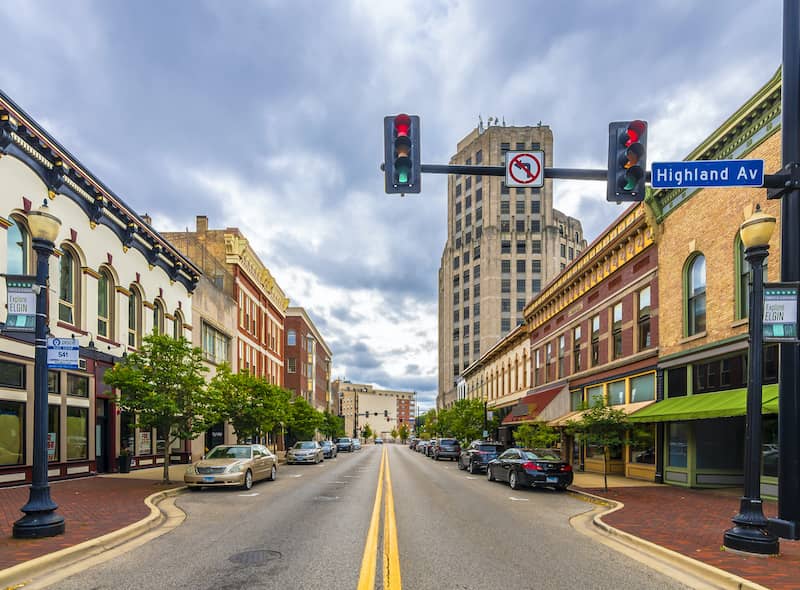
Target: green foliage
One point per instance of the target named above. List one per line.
(366, 432)
(536, 436)
(602, 426)
(162, 384)
(403, 433)
(467, 419)
(251, 404)
(394, 433)
(332, 426)
(304, 419)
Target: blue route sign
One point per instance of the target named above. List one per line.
(707, 173)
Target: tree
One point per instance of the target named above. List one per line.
(403, 433)
(602, 426)
(304, 419)
(333, 425)
(466, 419)
(536, 436)
(366, 432)
(251, 404)
(162, 384)
(394, 433)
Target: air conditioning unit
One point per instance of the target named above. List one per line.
(82, 364)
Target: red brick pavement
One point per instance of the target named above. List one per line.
(91, 507)
(692, 522)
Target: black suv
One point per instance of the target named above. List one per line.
(447, 448)
(476, 456)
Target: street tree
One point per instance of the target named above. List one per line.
(333, 425)
(366, 432)
(162, 384)
(304, 419)
(466, 419)
(536, 436)
(403, 433)
(394, 433)
(602, 426)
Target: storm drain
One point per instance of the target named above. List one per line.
(255, 557)
(326, 498)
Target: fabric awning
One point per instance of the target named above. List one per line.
(575, 416)
(530, 406)
(705, 406)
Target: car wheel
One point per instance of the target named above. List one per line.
(562, 487)
(195, 488)
(489, 474)
(471, 467)
(273, 473)
(460, 466)
(248, 480)
(512, 480)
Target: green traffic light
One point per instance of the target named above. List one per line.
(402, 175)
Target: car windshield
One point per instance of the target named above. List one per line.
(542, 455)
(305, 445)
(229, 453)
(343, 440)
(448, 441)
(326, 443)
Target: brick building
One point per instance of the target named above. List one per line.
(308, 360)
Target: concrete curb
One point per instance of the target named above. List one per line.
(710, 574)
(20, 575)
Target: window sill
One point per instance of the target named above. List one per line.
(698, 336)
(742, 322)
(71, 328)
(107, 341)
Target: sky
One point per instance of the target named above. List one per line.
(268, 116)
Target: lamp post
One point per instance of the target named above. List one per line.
(40, 518)
(750, 532)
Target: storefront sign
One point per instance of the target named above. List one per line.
(780, 312)
(51, 446)
(144, 443)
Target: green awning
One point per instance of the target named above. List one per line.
(704, 406)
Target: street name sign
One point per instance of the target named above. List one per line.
(62, 353)
(707, 173)
(525, 169)
(780, 312)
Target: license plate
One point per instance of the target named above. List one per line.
(208, 479)
(552, 480)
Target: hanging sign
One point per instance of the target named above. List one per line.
(780, 312)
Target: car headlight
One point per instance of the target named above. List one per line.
(237, 468)
(191, 470)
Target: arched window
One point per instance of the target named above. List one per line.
(68, 292)
(158, 318)
(105, 304)
(134, 317)
(177, 325)
(18, 246)
(696, 295)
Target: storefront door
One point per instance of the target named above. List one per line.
(103, 463)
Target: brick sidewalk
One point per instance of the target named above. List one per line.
(91, 507)
(692, 522)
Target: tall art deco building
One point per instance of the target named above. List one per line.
(503, 246)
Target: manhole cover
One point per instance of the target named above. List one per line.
(256, 557)
(326, 498)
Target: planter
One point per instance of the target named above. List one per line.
(124, 463)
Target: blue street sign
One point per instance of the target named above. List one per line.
(63, 353)
(705, 173)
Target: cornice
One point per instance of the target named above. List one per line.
(239, 252)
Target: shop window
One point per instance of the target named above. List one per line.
(643, 388)
(720, 374)
(676, 382)
(770, 366)
(77, 385)
(719, 443)
(678, 444)
(12, 433)
(769, 446)
(696, 295)
(616, 393)
(12, 375)
(642, 448)
(53, 382)
(575, 400)
(594, 396)
(77, 433)
(53, 431)
(643, 319)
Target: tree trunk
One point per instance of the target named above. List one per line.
(605, 468)
(167, 446)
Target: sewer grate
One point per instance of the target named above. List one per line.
(255, 557)
(326, 498)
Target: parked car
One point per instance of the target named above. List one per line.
(530, 467)
(412, 444)
(378, 441)
(344, 443)
(356, 444)
(232, 465)
(329, 450)
(478, 454)
(305, 451)
(431, 447)
(447, 448)
(421, 446)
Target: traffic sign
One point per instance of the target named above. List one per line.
(525, 169)
(707, 173)
(62, 353)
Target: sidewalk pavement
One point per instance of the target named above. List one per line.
(688, 522)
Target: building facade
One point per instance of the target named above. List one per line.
(308, 360)
(383, 409)
(503, 245)
(113, 280)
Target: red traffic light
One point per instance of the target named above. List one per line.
(402, 123)
(635, 130)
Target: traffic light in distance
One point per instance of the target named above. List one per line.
(627, 160)
(402, 154)
(386, 413)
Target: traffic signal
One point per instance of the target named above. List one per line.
(401, 152)
(627, 160)
(386, 413)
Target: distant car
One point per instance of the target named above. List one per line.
(344, 443)
(356, 444)
(329, 450)
(447, 448)
(478, 454)
(412, 444)
(305, 451)
(530, 467)
(431, 448)
(378, 441)
(232, 465)
(422, 446)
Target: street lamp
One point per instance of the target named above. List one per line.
(40, 518)
(751, 533)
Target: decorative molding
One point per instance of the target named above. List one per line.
(90, 271)
(149, 305)
(239, 252)
(5, 223)
(123, 290)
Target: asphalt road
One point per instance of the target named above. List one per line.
(308, 529)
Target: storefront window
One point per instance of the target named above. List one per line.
(594, 395)
(12, 375)
(77, 433)
(643, 388)
(616, 393)
(676, 382)
(53, 382)
(145, 442)
(127, 439)
(53, 424)
(642, 449)
(769, 446)
(678, 444)
(575, 399)
(12, 419)
(720, 444)
(77, 385)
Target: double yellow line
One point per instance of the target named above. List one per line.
(391, 556)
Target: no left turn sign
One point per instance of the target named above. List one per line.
(525, 169)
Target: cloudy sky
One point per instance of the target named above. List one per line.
(267, 115)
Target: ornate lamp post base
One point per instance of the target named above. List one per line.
(751, 532)
(35, 525)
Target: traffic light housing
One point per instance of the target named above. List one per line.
(386, 413)
(627, 160)
(401, 164)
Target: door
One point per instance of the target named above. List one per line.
(102, 459)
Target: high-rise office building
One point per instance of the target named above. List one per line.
(503, 246)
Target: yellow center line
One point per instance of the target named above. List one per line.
(391, 555)
(366, 579)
